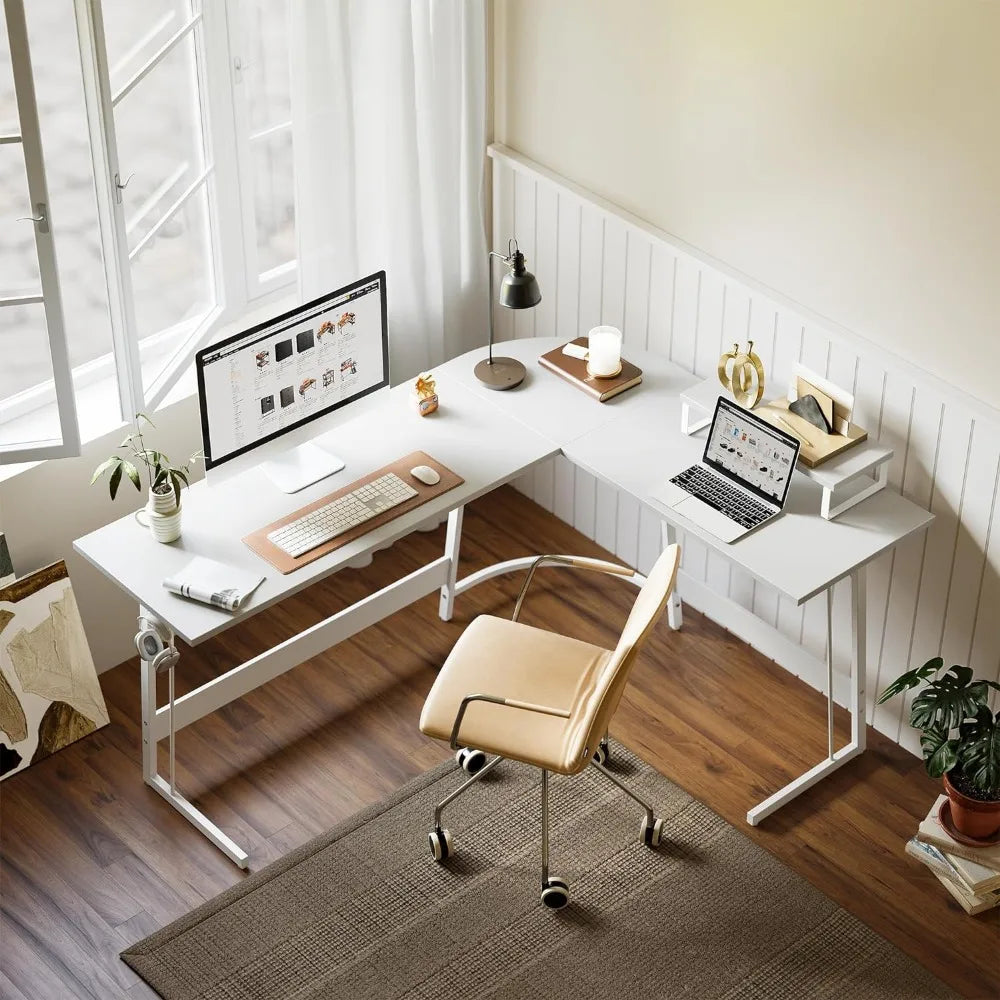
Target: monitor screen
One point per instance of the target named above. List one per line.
(283, 373)
(751, 452)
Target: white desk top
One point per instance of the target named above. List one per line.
(552, 406)
(488, 437)
(799, 553)
(634, 442)
(471, 437)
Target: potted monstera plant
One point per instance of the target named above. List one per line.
(960, 740)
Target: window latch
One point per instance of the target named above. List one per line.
(120, 186)
(41, 220)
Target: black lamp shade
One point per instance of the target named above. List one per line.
(519, 291)
(518, 288)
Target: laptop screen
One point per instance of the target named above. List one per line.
(751, 452)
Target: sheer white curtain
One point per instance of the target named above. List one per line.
(389, 131)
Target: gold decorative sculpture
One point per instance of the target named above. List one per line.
(426, 394)
(743, 375)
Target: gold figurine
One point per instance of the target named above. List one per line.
(426, 394)
(743, 375)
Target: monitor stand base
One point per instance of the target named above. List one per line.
(300, 467)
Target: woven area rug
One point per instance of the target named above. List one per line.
(364, 912)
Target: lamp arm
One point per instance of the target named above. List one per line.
(490, 254)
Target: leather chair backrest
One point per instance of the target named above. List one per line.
(601, 704)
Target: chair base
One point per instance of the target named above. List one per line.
(555, 892)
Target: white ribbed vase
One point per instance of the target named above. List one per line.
(164, 516)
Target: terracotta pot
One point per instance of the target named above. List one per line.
(973, 817)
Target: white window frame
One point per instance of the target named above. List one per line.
(226, 178)
(30, 140)
(101, 103)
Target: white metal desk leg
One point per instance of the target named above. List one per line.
(675, 610)
(859, 656)
(829, 672)
(835, 759)
(452, 544)
(150, 767)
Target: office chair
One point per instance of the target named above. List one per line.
(534, 696)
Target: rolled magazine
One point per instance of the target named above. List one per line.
(214, 583)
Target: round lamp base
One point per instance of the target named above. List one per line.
(501, 373)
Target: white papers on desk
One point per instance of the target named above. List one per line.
(214, 583)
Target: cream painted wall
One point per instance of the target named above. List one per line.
(845, 154)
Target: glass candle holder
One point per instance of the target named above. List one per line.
(604, 351)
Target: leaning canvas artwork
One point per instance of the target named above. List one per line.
(6, 566)
(49, 693)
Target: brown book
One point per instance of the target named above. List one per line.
(574, 370)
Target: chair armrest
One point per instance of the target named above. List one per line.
(573, 562)
(525, 706)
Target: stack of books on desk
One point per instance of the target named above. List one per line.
(970, 874)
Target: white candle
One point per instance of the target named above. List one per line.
(605, 350)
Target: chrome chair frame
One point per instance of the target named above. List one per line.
(555, 892)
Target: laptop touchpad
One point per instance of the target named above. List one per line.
(710, 519)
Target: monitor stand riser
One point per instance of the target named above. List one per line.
(297, 468)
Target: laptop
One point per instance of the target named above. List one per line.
(742, 479)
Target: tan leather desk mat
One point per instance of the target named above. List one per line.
(286, 564)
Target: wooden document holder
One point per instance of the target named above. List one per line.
(816, 446)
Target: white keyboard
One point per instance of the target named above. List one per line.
(342, 514)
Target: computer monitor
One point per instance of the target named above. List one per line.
(265, 383)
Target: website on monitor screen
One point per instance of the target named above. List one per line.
(277, 376)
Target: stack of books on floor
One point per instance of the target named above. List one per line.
(970, 874)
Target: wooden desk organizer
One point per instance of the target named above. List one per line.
(816, 446)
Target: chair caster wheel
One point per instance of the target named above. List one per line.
(651, 833)
(602, 754)
(471, 761)
(555, 893)
(440, 841)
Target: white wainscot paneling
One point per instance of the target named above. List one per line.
(939, 593)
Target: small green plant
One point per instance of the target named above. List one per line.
(160, 474)
(959, 735)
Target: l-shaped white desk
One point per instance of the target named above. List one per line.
(489, 438)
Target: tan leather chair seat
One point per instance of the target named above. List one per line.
(508, 659)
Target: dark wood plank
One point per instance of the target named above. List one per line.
(94, 860)
(8, 991)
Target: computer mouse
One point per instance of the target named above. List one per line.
(425, 474)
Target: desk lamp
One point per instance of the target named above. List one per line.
(518, 290)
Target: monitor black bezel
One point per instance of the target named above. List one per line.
(764, 425)
(210, 462)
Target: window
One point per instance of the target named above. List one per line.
(190, 194)
(33, 350)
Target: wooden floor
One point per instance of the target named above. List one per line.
(93, 860)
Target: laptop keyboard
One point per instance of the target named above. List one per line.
(735, 504)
